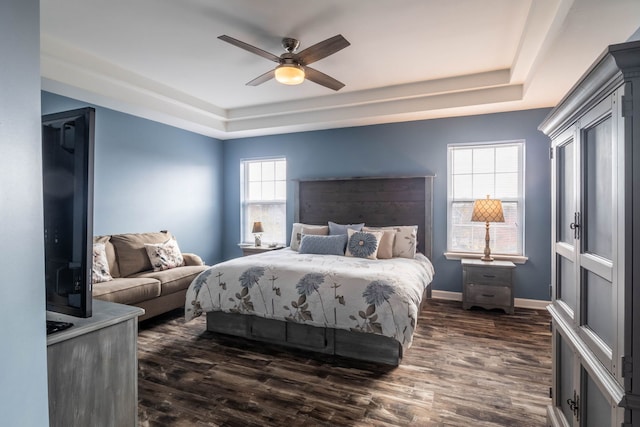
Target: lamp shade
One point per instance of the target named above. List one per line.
(257, 227)
(289, 74)
(487, 210)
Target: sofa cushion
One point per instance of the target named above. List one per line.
(111, 254)
(127, 290)
(130, 252)
(175, 279)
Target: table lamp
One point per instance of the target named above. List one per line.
(487, 210)
(257, 231)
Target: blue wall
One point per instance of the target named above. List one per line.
(23, 345)
(150, 176)
(411, 148)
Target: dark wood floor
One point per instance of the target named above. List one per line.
(465, 368)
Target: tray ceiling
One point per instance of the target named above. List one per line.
(408, 60)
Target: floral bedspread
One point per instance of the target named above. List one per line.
(374, 296)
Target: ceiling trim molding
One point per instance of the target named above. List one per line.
(377, 95)
(70, 72)
(416, 104)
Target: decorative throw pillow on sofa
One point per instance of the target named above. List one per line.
(164, 256)
(100, 268)
(363, 245)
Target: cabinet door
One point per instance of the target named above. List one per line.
(597, 233)
(595, 409)
(564, 233)
(584, 394)
(585, 230)
(565, 390)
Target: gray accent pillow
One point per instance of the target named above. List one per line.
(342, 228)
(323, 245)
(297, 231)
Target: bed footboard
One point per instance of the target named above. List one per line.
(355, 345)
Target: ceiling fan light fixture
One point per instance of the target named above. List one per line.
(289, 74)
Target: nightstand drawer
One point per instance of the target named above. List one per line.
(488, 295)
(486, 276)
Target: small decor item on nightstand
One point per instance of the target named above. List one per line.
(257, 232)
(487, 210)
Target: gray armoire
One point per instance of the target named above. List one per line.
(595, 154)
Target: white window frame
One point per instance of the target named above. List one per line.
(245, 234)
(456, 253)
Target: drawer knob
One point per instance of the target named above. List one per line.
(489, 276)
(488, 295)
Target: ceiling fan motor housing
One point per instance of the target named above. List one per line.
(290, 44)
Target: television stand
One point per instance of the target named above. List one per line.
(93, 367)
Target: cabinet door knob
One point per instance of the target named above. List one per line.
(575, 225)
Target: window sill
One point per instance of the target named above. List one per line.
(516, 259)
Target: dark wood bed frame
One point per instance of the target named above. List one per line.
(374, 201)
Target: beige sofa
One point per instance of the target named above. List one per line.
(134, 281)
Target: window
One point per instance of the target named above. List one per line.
(478, 170)
(264, 198)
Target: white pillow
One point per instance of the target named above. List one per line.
(100, 268)
(406, 240)
(363, 244)
(296, 233)
(385, 246)
(164, 256)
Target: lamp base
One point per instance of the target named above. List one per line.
(258, 241)
(487, 250)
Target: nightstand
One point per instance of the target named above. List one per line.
(487, 284)
(252, 250)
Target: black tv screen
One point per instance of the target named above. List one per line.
(67, 173)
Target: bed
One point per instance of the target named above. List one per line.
(349, 306)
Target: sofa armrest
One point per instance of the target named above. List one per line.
(192, 259)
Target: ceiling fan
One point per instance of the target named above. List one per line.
(293, 67)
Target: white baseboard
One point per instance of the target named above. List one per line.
(518, 302)
(531, 303)
(451, 296)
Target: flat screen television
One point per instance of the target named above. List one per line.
(67, 173)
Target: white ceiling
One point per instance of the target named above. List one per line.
(408, 59)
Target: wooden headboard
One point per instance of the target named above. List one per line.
(375, 201)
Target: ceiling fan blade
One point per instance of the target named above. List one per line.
(250, 48)
(323, 49)
(322, 79)
(262, 78)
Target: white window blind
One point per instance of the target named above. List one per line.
(478, 170)
(264, 198)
